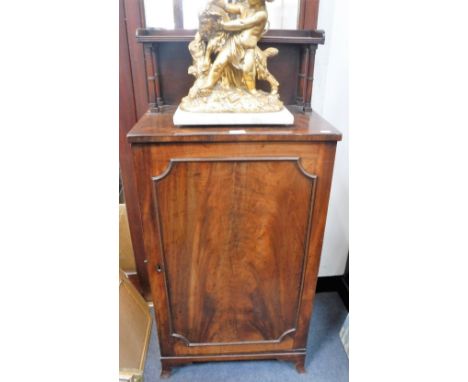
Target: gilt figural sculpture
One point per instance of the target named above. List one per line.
(227, 61)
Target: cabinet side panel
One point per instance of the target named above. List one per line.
(324, 168)
(144, 168)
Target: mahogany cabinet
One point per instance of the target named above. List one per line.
(233, 221)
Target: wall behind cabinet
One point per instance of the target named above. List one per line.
(330, 99)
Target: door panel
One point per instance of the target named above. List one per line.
(234, 234)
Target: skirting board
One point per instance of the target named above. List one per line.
(335, 284)
(279, 118)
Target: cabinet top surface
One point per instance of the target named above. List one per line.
(158, 127)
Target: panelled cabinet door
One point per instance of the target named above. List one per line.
(233, 235)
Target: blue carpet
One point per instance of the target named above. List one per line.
(326, 359)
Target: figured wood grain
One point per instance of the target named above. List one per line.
(252, 230)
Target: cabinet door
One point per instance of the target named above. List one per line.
(233, 237)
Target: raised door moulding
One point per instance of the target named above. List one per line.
(233, 159)
(167, 171)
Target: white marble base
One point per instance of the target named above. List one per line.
(184, 118)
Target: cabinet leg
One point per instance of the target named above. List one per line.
(300, 368)
(165, 370)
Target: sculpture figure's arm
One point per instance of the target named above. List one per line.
(241, 24)
(229, 8)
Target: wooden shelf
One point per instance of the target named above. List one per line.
(274, 36)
